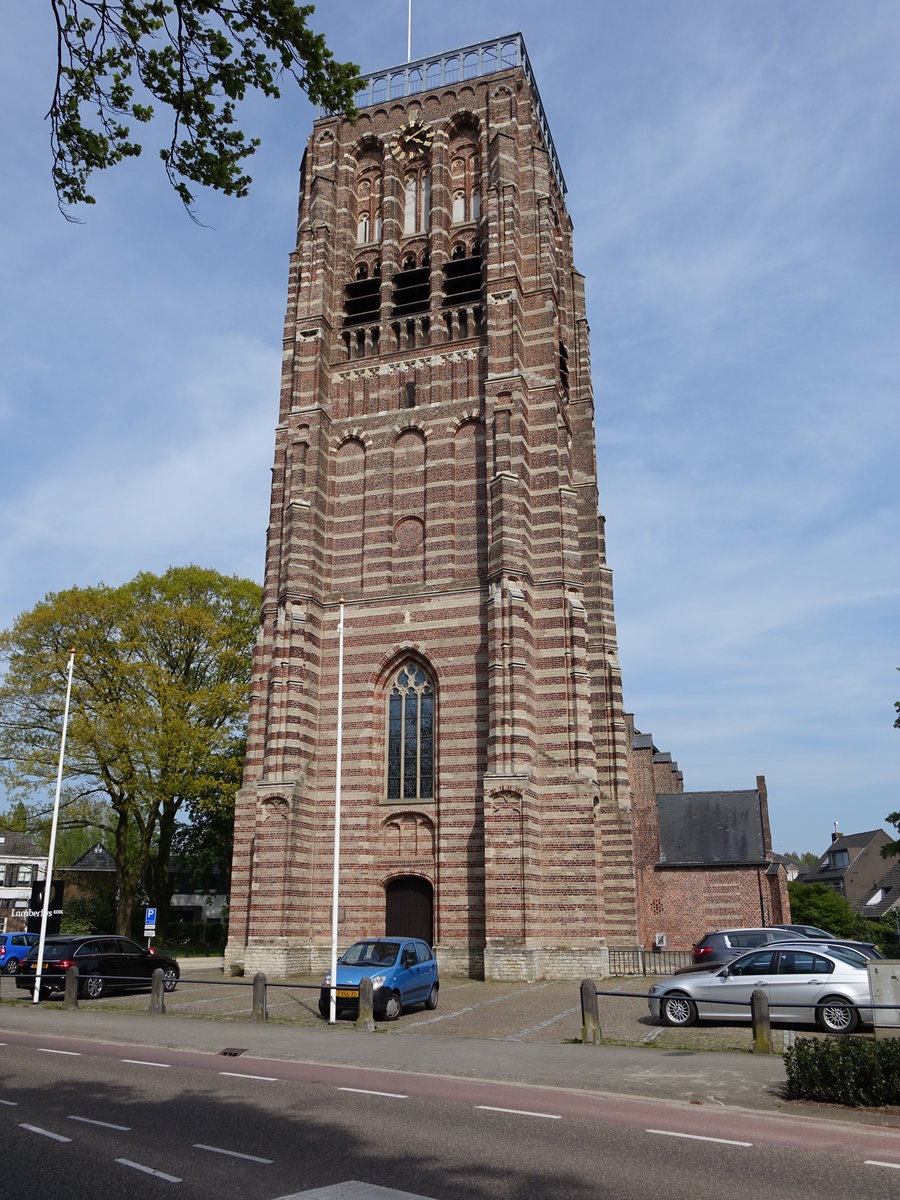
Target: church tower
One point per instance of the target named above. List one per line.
(435, 469)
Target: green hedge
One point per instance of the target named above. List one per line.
(844, 1071)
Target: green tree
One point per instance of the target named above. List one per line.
(196, 58)
(806, 859)
(818, 904)
(203, 843)
(158, 712)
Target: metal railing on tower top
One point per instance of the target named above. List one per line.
(455, 66)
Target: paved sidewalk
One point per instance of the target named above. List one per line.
(750, 1081)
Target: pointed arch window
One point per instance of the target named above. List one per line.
(410, 735)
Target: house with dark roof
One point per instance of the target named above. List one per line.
(21, 865)
(885, 895)
(852, 865)
(703, 860)
(92, 873)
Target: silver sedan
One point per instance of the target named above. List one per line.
(804, 985)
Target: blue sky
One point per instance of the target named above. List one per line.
(734, 180)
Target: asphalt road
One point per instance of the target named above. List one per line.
(96, 1119)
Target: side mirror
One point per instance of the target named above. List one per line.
(724, 973)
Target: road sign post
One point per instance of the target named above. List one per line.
(149, 924)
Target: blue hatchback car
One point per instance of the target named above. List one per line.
(13, 948)
(403, 971)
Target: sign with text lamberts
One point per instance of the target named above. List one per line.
(36, 905)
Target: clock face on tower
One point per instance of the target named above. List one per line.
(412, 139)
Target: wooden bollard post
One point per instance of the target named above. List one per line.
(259, 1014)
(366, 1018)
(157, 993)
(71, 997)
(590, 1014)
(762, 1025)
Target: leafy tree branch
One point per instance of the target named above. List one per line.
(120, 63)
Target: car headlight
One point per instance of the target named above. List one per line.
(326, 982)
(378, 981)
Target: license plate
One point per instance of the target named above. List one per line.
(347, 993)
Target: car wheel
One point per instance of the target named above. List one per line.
(12, 966)
(170, 979)
(679, 1009)
(325, 1008)
(834, 1017)
(393, 1007)
(432, 1001)
(93, 987)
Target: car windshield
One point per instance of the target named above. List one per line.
(371, 953)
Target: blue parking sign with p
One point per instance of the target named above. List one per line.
(149, 921)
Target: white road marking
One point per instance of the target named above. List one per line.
(11, 1103)
(873, 1162)
(697, 1137)
(244, 1075)
(57, 1137)
(368, 1092)
(71, 1053)
(520, 1112)
(230, 1153)
(353, 1189)
(142, 1062)
(472, 1007)
(512, 1037)
(102, 1124)
(126, 1162)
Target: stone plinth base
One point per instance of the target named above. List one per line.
(502, 960)
(510, 959)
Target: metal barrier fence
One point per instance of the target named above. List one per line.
(648, 962)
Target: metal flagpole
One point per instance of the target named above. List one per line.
(409, 34)
(332, 1017)
(49, 880)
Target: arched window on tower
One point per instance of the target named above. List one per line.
(368, 200)
(417, 201)
(410, 735)
(465, 171)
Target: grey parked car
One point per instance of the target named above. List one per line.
(804, 985)
(807, 931)
(722, 945)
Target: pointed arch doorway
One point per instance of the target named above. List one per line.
(409, 908)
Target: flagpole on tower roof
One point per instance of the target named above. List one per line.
(409, 34)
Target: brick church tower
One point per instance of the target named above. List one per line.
(435, 468)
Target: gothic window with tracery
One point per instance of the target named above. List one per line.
(410, 735)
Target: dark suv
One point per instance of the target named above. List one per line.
(105, 964)
(722, 945)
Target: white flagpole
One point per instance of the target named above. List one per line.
(337, 819)
(409, 34)
(52, 849)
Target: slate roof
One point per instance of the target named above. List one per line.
(711, 828)
(890, 885)
(17, 845)
(98, 858)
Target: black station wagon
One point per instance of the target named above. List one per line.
(105, 963)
